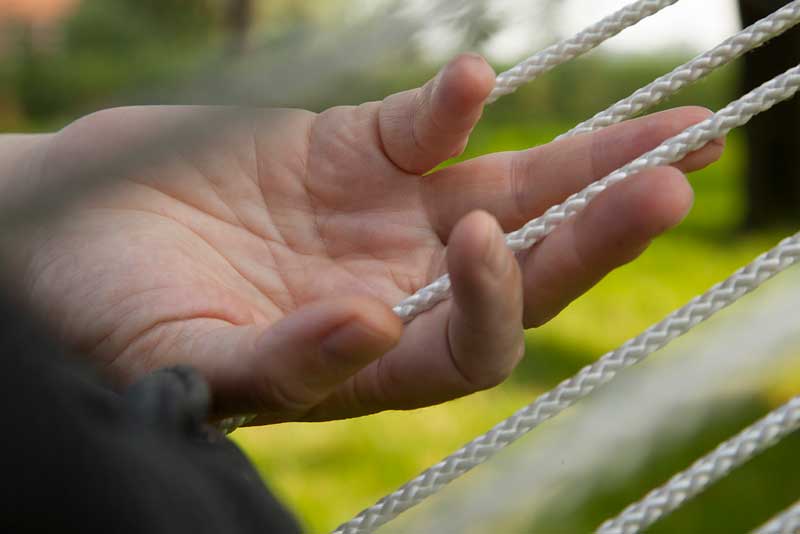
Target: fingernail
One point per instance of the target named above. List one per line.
(356, 341)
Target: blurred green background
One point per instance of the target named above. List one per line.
(61, 59)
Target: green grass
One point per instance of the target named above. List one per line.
(326, 472)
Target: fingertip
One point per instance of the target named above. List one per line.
(663, 125)
(613, 230)
(686, 117)
(474, 243)
(381, 326)
(483, 270)
(316, 322)
(703, 157)
(469, 76)
(303, 358)
(618, 227)
(420, 129)
(694, 114)
(664, 198)
(465, 84)
(487, 313)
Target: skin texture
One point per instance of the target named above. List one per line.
(270, 259)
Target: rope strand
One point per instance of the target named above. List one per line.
(787, 522)
(707, 470)
(568, 49)
(525, 72)
(787, 253)
(662, 88)
(749, 38)
(606, 368)
(735, 114)
(635, 350)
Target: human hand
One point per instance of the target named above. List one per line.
(270, 258)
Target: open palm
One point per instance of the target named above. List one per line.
(270, 258)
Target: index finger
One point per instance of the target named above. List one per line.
(517, 186)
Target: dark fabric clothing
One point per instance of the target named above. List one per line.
(78, 457)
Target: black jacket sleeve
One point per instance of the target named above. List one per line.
(78, 457)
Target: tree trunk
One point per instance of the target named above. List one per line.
(239, 19)
(773, 138)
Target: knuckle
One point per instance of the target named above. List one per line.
(288, 403)
(517, 181)
(490, 373)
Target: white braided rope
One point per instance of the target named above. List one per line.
(788, 522)
(524, 72)
(747, 39)
(579, 44)
(226, 426)
(735, 114)
(659, 90)
(606, 368)
(707, 470)
(699, 309)
(550, 404)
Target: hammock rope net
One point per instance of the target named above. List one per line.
(734, 452)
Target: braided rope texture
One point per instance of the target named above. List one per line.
(548, 405)
(226, 426)
(656, 92)
(747, 39)
(569, 49)
(506, 83)
(707, 470)
(697, 310)
(674, 149)
(787, 522)
(696, 69)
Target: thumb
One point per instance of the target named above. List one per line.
(423, 127)
(283, 371)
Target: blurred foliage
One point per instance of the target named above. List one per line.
(114, 51)
(105, 48)
(125, 26)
